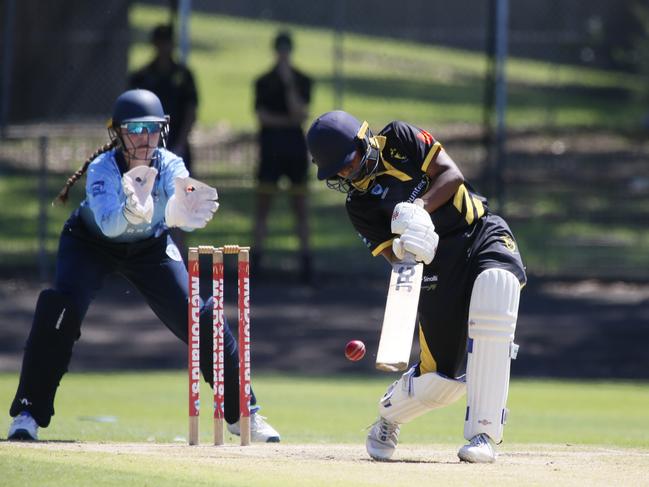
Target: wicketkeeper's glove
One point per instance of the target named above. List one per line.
(137, 184)
(192, 205)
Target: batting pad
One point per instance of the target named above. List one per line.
(492, 322)
(410, 396)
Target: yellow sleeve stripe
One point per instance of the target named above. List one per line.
(390, 170)
(381, 247)
(479, 207)
(432, 153)
(459, 197)
(469, 208)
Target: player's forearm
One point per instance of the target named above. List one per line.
(446, 179)
(389, 255)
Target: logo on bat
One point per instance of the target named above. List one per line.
(404, 281)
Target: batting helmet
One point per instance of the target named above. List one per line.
(332, 142)
(137, 106)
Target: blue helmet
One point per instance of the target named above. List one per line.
(332, 142)
(137, 105)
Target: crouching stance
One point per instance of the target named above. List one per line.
(405, 195)
(135, 191)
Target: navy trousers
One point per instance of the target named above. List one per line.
(83, 263)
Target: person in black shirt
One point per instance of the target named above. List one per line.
(282, 96)
(174, 84)
(406, 195)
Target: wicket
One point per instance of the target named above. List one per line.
(218, 323)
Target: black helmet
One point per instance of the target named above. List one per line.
(333, 140)
(137, 106)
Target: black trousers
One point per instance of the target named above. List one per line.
(446, 288)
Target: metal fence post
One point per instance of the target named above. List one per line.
(43, 144)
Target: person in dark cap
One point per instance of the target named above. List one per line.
(282, 97)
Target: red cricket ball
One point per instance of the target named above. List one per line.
(355, 350)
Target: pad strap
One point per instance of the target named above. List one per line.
(410, 396)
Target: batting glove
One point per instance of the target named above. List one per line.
(406, 214)
(137, 184)
(417, 232)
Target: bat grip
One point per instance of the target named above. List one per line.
(409, 258)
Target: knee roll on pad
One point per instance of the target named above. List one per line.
(492, 322)
(410, 396)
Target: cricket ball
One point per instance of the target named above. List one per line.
(355, 350)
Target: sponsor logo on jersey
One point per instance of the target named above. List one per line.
(429, 283)
(395, 154)
(173, 252)
(509, 243)
(367, 243)
(419, 189)
(378, 190)
(425, 137)
(98, 188)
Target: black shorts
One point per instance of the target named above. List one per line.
(447, 284)
(282, 153)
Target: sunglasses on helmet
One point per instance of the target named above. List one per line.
(136, 128)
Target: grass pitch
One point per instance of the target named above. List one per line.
(130, 429)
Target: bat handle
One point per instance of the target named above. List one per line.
(409, 258)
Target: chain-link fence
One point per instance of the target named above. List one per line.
(61, 60)
(576, 191)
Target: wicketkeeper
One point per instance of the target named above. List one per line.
(135, 191)
(472, 276)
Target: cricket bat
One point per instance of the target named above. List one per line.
(400, 315)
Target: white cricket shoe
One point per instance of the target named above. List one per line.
(23, 427)
(260, 430)
(382, 439)
(481, 449)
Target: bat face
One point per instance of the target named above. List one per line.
(400, 317)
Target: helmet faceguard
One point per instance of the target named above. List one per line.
(362, 179)
(138, 112)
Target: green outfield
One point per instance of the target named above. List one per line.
(130, 429)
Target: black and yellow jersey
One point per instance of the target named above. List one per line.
(406, 153)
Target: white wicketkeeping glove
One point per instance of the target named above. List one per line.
(418, 236)
(192, 205)
(137, 184)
